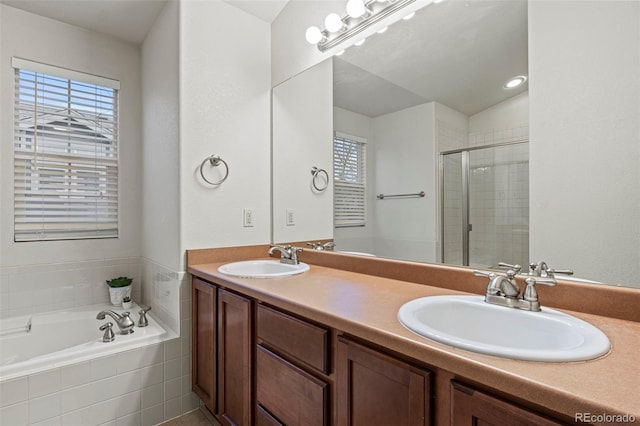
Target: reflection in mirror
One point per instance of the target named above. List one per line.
(439, 97)
(421, 110)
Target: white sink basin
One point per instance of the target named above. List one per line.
(262, 269)
(468, 322)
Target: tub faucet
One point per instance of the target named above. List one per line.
(124, 322)
(288, 254)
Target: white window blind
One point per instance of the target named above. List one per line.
(65, 154)
(349, 181)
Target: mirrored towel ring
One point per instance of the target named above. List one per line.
(315, 172)
(215, 161)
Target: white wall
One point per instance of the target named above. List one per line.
(406, 163)
(44, 40)
(585, 126)
(508, 114)
(224, 109)
(358, 238)
(302, 139)
(161, 141)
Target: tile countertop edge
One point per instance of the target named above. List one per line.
(503, 375)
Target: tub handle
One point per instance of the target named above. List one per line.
(143, 321)
(108, 332)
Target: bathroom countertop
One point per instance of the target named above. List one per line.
(366, 306)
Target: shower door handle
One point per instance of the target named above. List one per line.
(469, 228)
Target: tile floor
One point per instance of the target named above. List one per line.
(194, 418)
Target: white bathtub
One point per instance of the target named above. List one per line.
(34, 343)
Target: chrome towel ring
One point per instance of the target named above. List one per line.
(315, 172)
(215, 161)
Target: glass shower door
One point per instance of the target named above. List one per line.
(486, 206)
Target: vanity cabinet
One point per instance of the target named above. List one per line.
(470, 407)
(204, 342)
(376, 388)
(234, 359)
(255, 364)
(222, 352)
(292, 367)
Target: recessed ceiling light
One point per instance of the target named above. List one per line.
(340, 53)
(383, 30)
(360, 42)
(437, 1)
(515, 82)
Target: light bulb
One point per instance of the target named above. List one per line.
(384, 30)
(313, 35)
(515, 82)
(409, 16)
(333, 22)
(355, 8)
(360, 42)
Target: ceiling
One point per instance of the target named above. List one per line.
(458, 53)
(127, 20)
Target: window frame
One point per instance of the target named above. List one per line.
(350, 188)
(66, 124)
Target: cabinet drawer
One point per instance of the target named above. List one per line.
(289, 394)
(263, 418)
(294, 337)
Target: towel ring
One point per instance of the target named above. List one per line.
(315, 172)
(215, 161)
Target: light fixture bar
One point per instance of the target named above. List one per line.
(378, 13)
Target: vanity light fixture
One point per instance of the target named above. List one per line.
(515, 82)
(361, 14)
(409, 16)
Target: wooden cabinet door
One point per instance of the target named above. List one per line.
(234, 359)
(203, 342)
(470, 407)
(377, 389)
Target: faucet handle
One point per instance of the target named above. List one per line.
(143, 321)
(552, 272)
(484, 274)
(516, 268)
(108, 332)
(530, 293)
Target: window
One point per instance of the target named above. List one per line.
(65, 154)
(349, 181)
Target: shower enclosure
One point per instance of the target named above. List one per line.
(485, 205)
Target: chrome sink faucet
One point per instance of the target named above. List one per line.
(503, 290)
(124, 322)
(319, 246)
(541, 269)
(288, 254)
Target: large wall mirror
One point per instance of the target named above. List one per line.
(444, 145)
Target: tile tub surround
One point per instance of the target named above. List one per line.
(143, 386)
(365, 305)
(39, 288)
(157, 378)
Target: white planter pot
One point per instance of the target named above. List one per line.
(116, 294)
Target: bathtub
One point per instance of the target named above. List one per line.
(34, 343)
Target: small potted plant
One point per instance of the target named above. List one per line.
(118, 289)
(126, 302)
